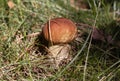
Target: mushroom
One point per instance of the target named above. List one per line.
(59, 32)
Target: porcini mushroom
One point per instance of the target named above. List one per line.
(59, 31)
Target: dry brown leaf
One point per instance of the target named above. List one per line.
(79, 4)
(98, 34)
(102, 36)
(10, 4)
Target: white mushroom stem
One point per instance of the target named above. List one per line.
(59, 53)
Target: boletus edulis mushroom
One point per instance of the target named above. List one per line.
(59, 32)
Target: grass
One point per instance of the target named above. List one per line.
(92, 60)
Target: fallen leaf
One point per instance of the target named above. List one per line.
(79, 4)
(98, 34)
(102, 36)
(10, 4)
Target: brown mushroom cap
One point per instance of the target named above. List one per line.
(59, 30)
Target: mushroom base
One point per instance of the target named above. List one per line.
(58, 53)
